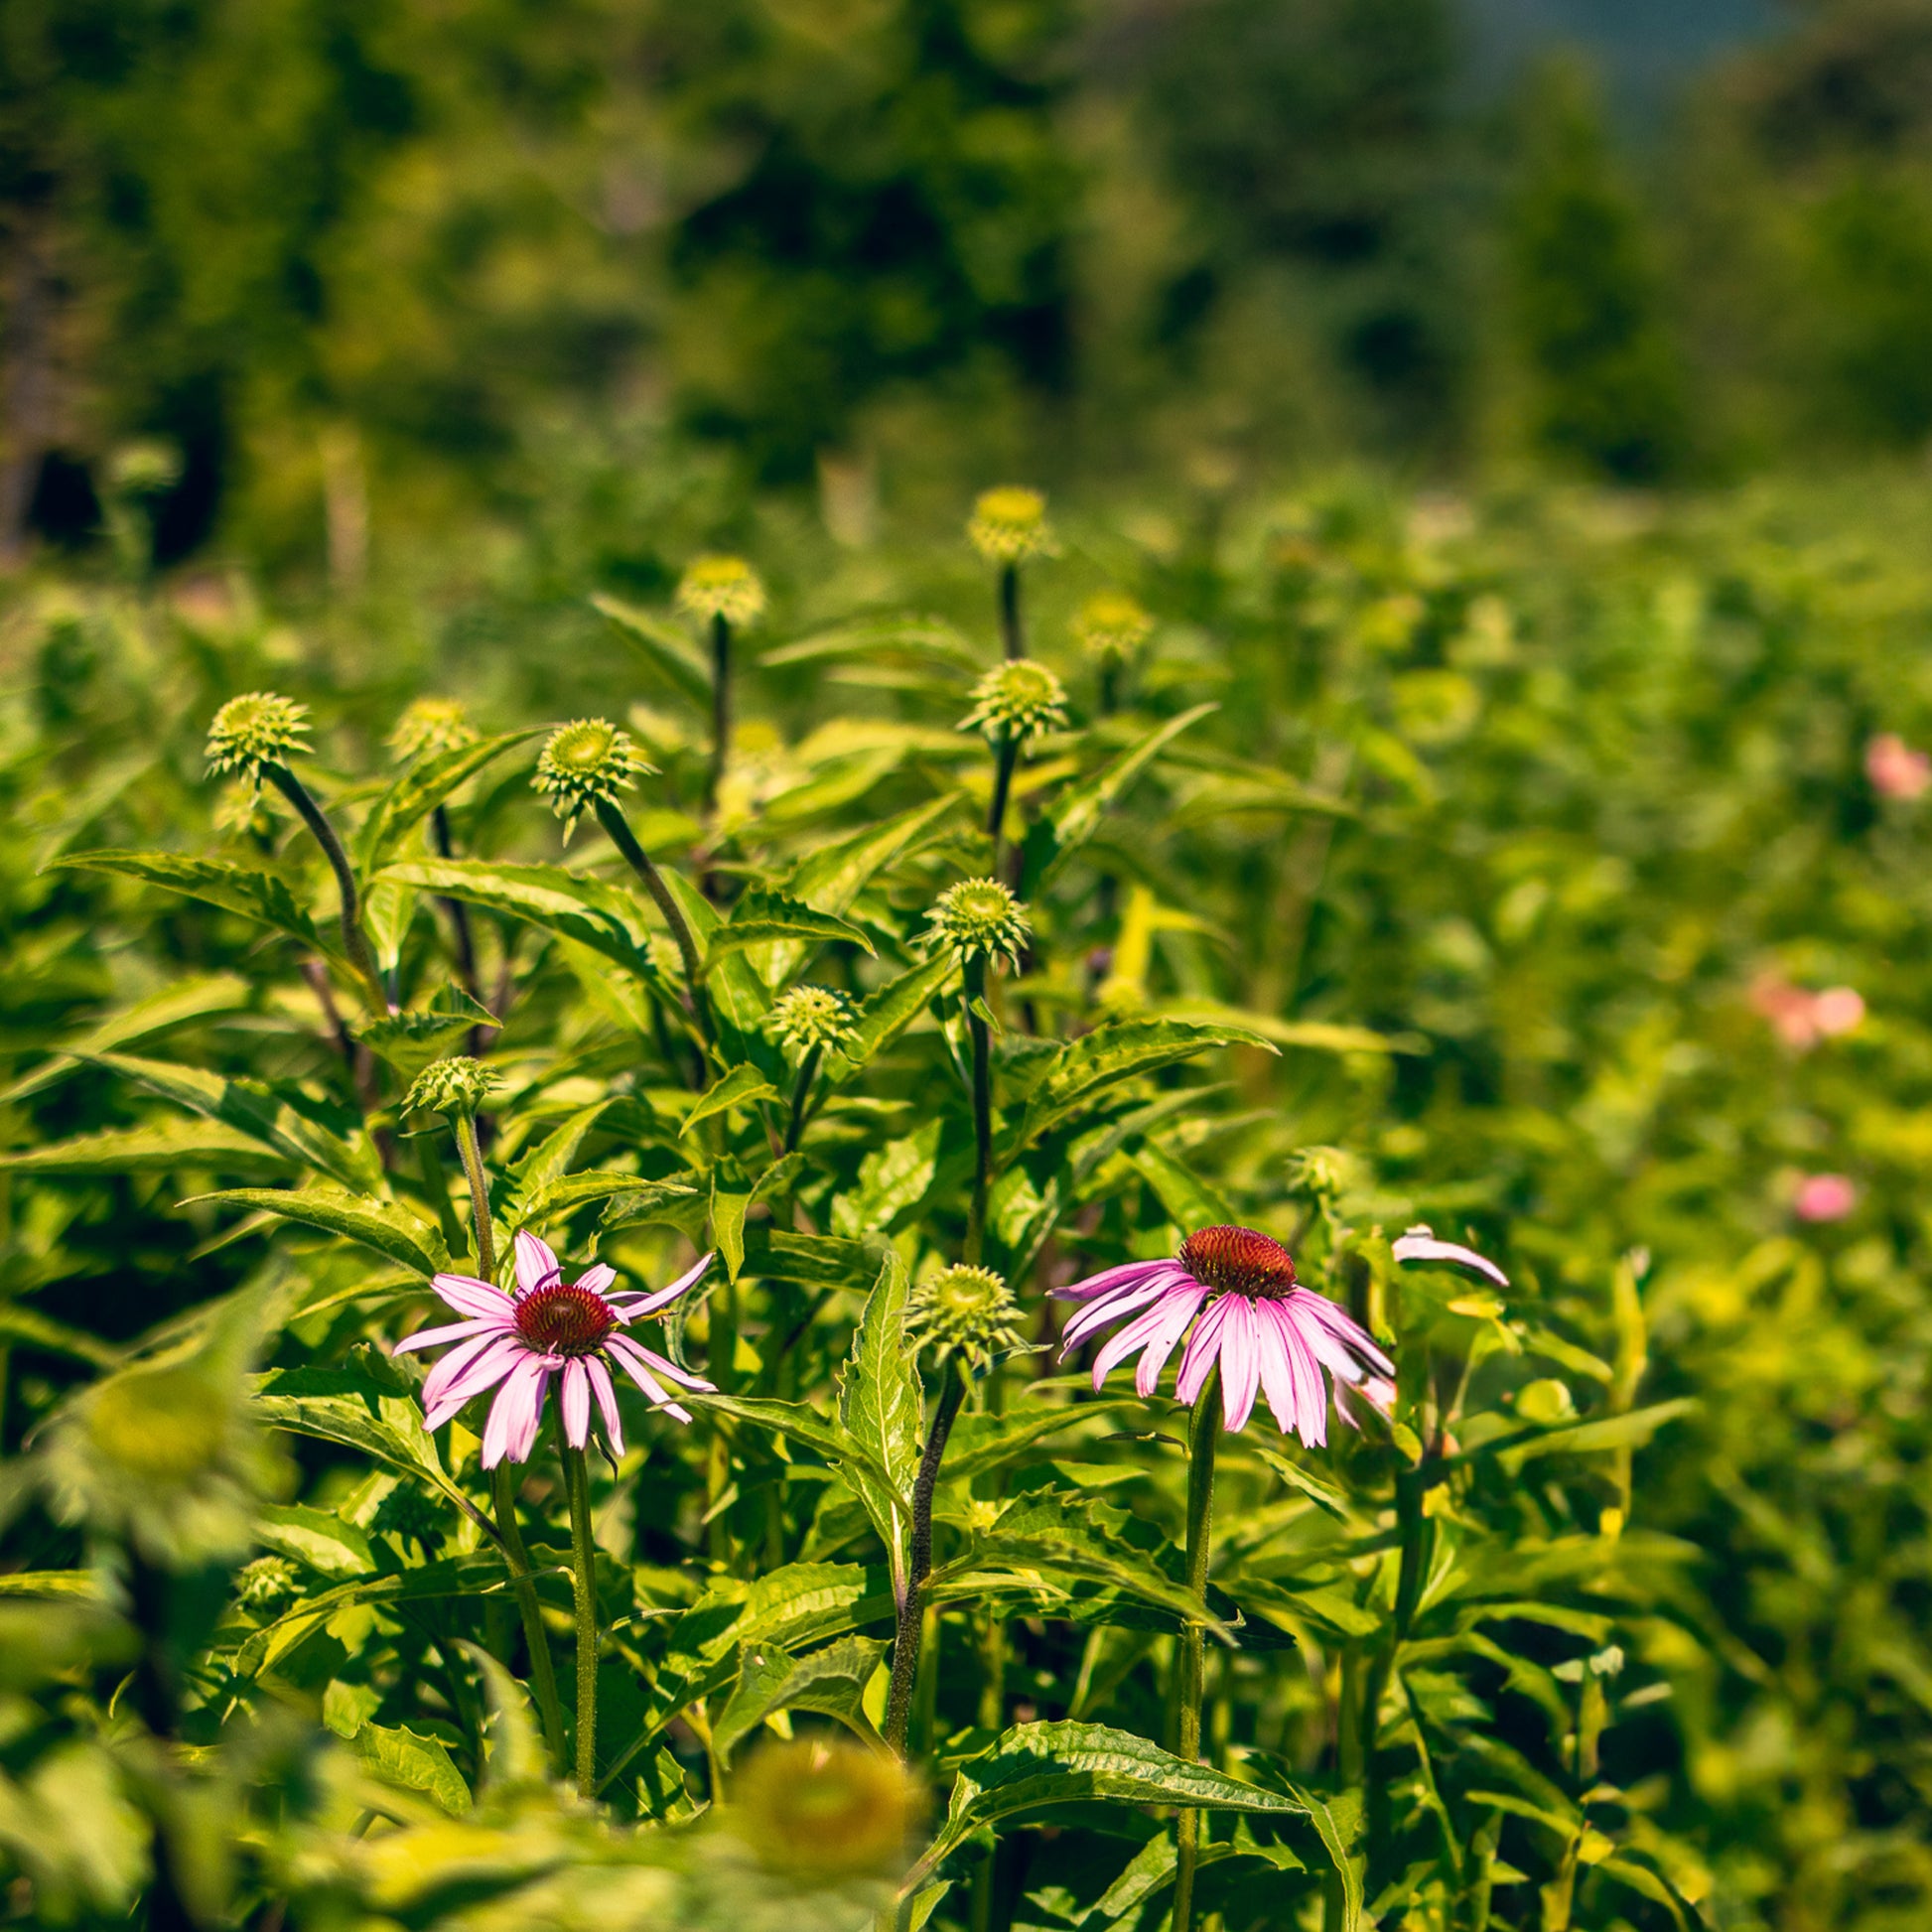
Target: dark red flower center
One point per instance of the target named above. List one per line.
(1238, 1261)
(562, 1318)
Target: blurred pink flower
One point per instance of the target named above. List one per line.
(1894, 769)
(1800, 1017)
(1837, 1009)
(1824, 1197)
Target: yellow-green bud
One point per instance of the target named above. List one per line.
(265, 1582)
(260, 727)
(1016, 701)
(456, 1086)
(1111, 627)
(144, 468)
(722, 587)
(825, 1809)
(965, 1310)
(429, 726)
(979, 919)
(809, 1019)
(587, 763)
(1009, 525)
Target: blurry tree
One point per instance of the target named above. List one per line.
(1589, 305)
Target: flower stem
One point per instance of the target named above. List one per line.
(576, 1481)
(801, 1093)
(1010, 634)
(517, 1554)
(1200, 1525)
(612, 818)
(316, 820)
(1007, 755)
(721, 709)
(459, 915)
(905, 1640)
(975, 992)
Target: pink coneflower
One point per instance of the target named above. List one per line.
(1894, 769)
(1824, 1197)
(1269, 1335)
(546, 1326)
(1801, 1019)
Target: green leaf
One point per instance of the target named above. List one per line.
(792, 1419)
(1075, 815)
(1035, 1766)
(594, 915)
(624, 1190)
(881, 1408)
(176, 1004)
(50, 1582)
(731, 1201)
(1188, 1201)
(831, 1681)
(424, 785)
(920, 638)
(664, 646)
(382, 1225)
(819, 1260)
(257, 892)
(739, 1088)
(266, 1112)
(1312, 1036)
(760, 917)
(401, 1756)
(893, 1180)
(162, 1148)
(832, 878)
(980, 1444)
(409, 1042)
(1596, 1434)
(329, 1544)
(1124, 1051)
(888, 1013)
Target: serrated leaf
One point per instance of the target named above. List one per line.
(1312, 1036)
(401, 1756)
(587, 911)
(662, 646)
(177, 1005)
(922, 639)
(327, 1543)
(265, 1112)
(573, 1190)
(1036, 1766)
(409, 1042)
(831, 1681)
(1593, 1434)
(159, 1148)
(762, 917)
(424, 785)
(51, 1583)
(893, 1180)
(382, 1225)
(820, 1259)
(888, 1013)
(792, 1419)
(980, 1444)
(881, 1408)
(1075, 815)
(731, 1201)
(739, 1088)
(257, 892)
(1124, 1051)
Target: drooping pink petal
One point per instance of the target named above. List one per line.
(626, 1359)
(596, 1278)
(1106, 1310)
(607, 1401)
(513, 1417)
(574, 1393)
(1161, 1325)
(1204, 1345)
(663, 1366)
(1240, 1362)
(631, 1306)
(1420, 1244)
(450, 1332)
(1335, 1321)
(467, 1296)
(1127, 1273)
(1300, 1399)
(536, 1262)
(1277, 1371)
(468, 1370)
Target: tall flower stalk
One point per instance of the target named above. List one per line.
(256, 735)
(429, 727)
(1111, 628)
(1011, 704)
(724, 594)
(979, 920)
(1009, 526)
(806, 1021)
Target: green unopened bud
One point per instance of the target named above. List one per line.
(587, 763)
(144, 468)
(977, 920)
(810, 1019)
(258, 729)
(429, 726)
(722, 587)
(1111, 627)
(456, 1086)
(1016, 701)
(967, 1312)
(825, 1809)
(407, 1512)
(265, 1582)
(1009, 525)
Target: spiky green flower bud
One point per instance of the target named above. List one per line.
(1111, 627)
(979, 919)
(256, 730)
(809, 1019)
(265, 1582)
(722, 587)
(821, 1809)
(429, 726)
(1016, 701)
(456, 1086)
(144, 468)
(407, 1512)
(967, 1312)
(587, 763)
(1009, 525)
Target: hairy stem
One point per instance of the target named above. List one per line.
(801, 1093)
(617, 827)
(459, 915)
(975, 990)
(720, 710)
(1006, 756)
(1010, 631)
(905, 1640)
(583, 1546)
(1200, 1528)
(316, 820)
(471, 1151)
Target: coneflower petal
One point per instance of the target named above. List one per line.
(596, 1278)
(1108, 1309)
(633, 1306)
(467, 1296)
(536, 1262)
(575, 1397)
(1335, 1321)
(607, 1401)
(512, 1419)
(1240, 1362)
(1204, 1345)
(1175, 1309)
(661, 1365)
(626, 1359)
(1302, 1402)
(470, 1369)
(1124, 1276)
(450, 1332)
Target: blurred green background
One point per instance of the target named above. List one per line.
(372, 273)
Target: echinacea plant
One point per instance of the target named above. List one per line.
(726, 595)
(1009, 528)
